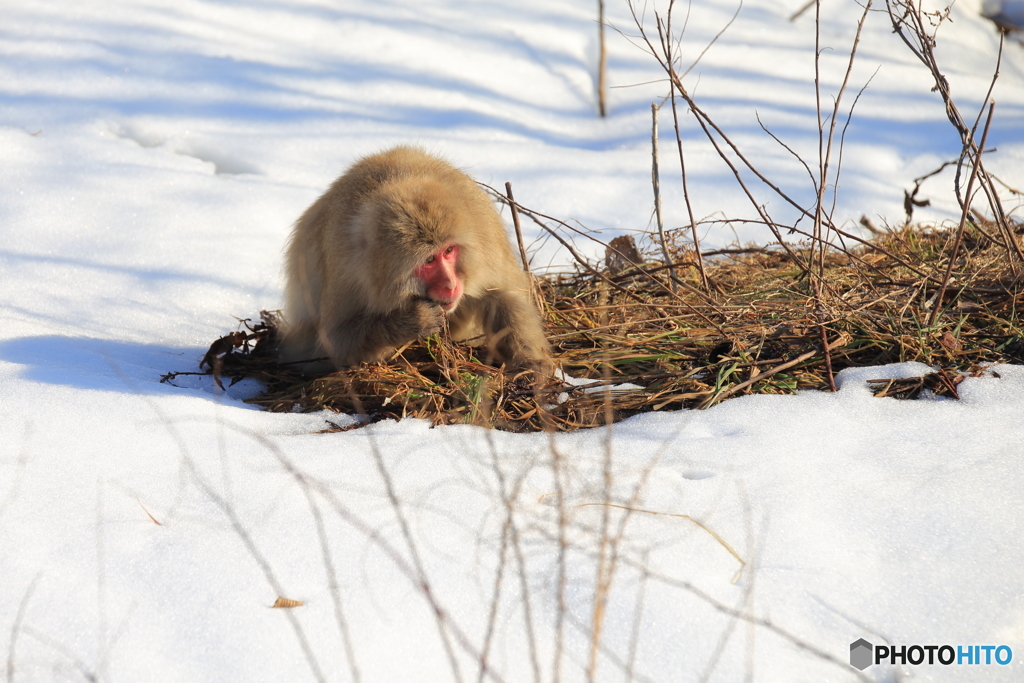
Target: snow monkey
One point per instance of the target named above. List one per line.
(399, 242)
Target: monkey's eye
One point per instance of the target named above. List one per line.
(430, 259)
(449, 250)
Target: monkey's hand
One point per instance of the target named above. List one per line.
(369, 336)
(428, 317)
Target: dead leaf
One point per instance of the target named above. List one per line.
(950, 342)
(285, 603)
(621, 253)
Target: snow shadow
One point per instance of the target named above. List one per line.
(165, 64)
(151, 73)
(101, 364)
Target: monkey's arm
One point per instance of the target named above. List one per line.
(514, 330)
(368, 335)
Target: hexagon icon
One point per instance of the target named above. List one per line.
(861, 654)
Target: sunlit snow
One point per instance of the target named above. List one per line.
(153, 156)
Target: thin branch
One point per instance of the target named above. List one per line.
(664, 60)
(557, 467)
(332, 583)
(758, 621)
(789, 149)
(602, 61)
(682, 161)
(16, 626)
(515, 222)
(536, 215)
(937, 306)
(713, 40)
(796, 15)
(656, 184)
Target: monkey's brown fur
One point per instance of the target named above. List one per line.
(351, 293)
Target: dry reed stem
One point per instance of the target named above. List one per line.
(602, 62)
(656, 185)
(721, 541)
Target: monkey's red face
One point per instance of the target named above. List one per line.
(440, 277)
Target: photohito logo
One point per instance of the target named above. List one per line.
(863, 654)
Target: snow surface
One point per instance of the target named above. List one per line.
(154, 156)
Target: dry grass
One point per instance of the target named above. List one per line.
(755, 333)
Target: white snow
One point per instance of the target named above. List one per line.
(154, 155)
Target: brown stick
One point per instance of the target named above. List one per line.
(820, 314)
(515, 222)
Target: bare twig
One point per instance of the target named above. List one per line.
(710, 42)
(16, 626)
(796, 15)
(515, 222)
(638, 611)
(602, 61)
(937, 306)
(656, 184)
(332, 584)
(510, 538)
(558, 466)
(825, 142)
(682, 164)
(908, 21)
(86, 672)
(758, 621)
(665, 61)
(605, 562)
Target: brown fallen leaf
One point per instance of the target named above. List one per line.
(950, 342)
(285, 603)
